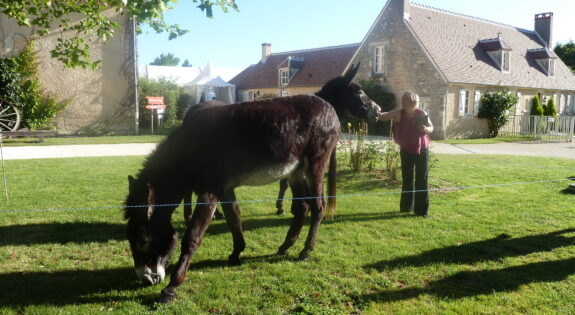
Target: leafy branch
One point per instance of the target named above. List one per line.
(85, 18)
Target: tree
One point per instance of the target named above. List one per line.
(166, 60)
(550, 109)
(74, 51)
(567, 53)
(494, 107)
(186, 63)
(536, 108)
(162, 87)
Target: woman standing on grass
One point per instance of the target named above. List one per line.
(411, 129)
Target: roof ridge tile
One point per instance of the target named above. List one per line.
(475, 18)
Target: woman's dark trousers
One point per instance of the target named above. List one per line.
(419, 162)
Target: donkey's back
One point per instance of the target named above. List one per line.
(254, 143)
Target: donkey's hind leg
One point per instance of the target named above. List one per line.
(314, 182)
(234, 221)
(299, 209)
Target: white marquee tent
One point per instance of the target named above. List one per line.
(208, 86)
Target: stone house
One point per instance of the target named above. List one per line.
(451, 60)
(103, 99)
(293, 72)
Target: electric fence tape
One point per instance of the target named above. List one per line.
(451, 189)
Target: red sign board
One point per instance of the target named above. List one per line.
(155, 100)
(155, 106)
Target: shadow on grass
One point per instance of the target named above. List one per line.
(60, 288)
(68, 287)
(101, 232)
(472, 283)
(61, 233)
(492, 249)
(220, 226)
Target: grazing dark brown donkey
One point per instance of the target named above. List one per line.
(251, 143)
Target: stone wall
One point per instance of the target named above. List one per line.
(408, 68)
(100, 100)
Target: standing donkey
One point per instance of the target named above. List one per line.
(224, 147)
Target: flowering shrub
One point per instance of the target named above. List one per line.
(363, 154)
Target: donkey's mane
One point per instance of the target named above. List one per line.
(152, 167)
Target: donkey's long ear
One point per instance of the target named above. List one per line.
(151, 200)
(350, 73)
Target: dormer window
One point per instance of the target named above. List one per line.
(284, 76)
(289, 68)
(545, 58)
(505, 61)
(499, 52)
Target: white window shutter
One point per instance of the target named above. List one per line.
(461, 102)
(476, 101)
(518, 105)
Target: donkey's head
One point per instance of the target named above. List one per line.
(150, 233)
(347, 97)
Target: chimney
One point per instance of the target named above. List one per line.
(266, 51)
(544, 27)
(406, 6)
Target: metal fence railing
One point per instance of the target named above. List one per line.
(545, 128)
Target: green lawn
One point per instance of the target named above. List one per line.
(505, 249)
(22, 141)
(498, 139)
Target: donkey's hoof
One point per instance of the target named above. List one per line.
(304, 255)
(234, 260)
(167, 296)
(282, 252)
(280, 212)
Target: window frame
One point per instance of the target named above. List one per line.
(505, 66)
(465, 108)
(283, 76)
(379, 64)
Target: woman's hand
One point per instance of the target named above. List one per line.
(423, 128)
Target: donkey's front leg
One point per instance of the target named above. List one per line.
(192, 239)
(280, 201)
(188, 206)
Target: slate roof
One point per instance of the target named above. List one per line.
(453, 42)
(319, 66)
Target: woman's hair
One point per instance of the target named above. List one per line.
(413, 97)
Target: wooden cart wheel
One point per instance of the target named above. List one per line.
(9, 116)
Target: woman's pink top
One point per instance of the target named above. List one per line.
(408, 136)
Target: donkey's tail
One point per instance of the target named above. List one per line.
(331, 186)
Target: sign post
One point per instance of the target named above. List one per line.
(154, 102)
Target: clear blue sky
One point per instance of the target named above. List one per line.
(233, 40)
